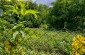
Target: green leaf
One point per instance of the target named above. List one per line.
(34, 12)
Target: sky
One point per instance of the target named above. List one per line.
(46, 2)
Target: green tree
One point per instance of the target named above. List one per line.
(68, 14)
(44, 11)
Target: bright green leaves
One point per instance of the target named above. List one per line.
(32, 12)
(19, 8)
(22, 8)
(14, 9)
(19, 11)
(24, 12)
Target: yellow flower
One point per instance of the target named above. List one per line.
(82, 49)
(76, 53)
(7, 46)
(78, 45)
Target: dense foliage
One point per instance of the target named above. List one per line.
(68, 14)
(65, 14)
(27, 28)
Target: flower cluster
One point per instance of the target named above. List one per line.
(7, 46)
(9, 49)
(78, 45)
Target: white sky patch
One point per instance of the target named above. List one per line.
(46, 2)
(34, 0)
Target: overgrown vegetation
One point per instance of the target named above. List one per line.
(27, 28)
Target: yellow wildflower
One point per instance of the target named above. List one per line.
(7, 46)
(78, 45)
(76, 53)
